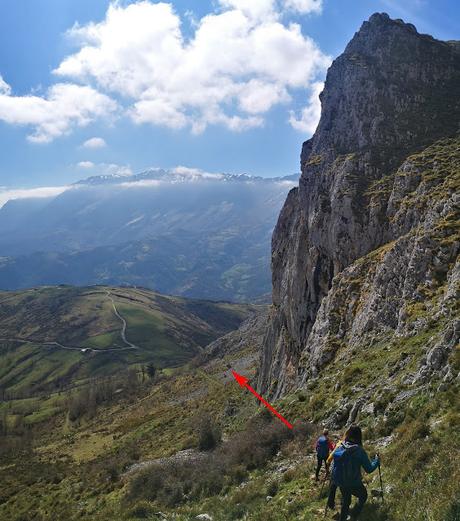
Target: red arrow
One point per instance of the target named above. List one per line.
(243, 381)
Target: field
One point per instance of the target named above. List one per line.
(124, 445)
(51, 338)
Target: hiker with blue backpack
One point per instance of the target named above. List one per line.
(348, 459)
(332, 485)
(323, 447)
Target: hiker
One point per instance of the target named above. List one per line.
(323, 447)
(346, 473)
(333, 486)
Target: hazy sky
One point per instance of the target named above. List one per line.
(93, 86)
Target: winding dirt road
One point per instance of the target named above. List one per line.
(129, 345)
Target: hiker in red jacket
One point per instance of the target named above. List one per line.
(323, 447)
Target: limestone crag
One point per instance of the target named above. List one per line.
(371, 233)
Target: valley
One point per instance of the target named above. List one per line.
(199, 236)
(55, 336)
(120, 403)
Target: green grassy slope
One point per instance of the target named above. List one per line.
(54, 336)
(75, 470)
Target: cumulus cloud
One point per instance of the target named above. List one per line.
(305, 6)
(30, 193)
(240, 62)
(94, 142)
(85, 164)
(272, 9)
(64, 106)
(4, 87)
(309, 115)
(255, 9)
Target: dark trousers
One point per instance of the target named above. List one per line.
(360, 492)
(331, 496)
(319, 465)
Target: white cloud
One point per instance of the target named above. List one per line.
(114, 169)
(94, 142)
(4, 87)
(240, 62)
(64, 106)
(254, 9)
(85, 164)
(144, 183)
(106, 168)
(29, 193)
(309, 116)
(178, 174)
(272, 9)
(194, 173)
(304, 6)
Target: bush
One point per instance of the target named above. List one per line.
(237, 511)
(171, 494)
(147, 483)
(454, 511)
(254, 446)
(272, 488)
(170, 482)
(209, 434)
(304, 430)
(142, 510)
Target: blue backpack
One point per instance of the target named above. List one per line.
(344, 472)
(322, 448)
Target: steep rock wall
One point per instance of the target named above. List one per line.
(391, 93)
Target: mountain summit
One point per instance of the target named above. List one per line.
(371, 226)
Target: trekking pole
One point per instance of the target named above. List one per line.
(327, 499)
(380, 476)
(321, 489)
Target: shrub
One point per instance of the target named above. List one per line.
(453, 513)
(209, 434)
(142, 510)
(171, 493)
(302, 397)
(237, 511)
(170, 482)
(147, 483)
(272, 488)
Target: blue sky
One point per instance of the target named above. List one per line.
(222, 85)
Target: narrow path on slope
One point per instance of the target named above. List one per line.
(123, 328)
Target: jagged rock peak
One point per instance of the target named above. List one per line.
(392, 93)
(391, 87)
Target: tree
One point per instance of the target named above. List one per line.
(143, 369)
(3, 423)
(151, 370)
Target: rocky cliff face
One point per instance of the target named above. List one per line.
(366, 247)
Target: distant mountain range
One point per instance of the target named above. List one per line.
(181, 232)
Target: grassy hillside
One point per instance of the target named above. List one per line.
(118, 461)
(53, 336)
